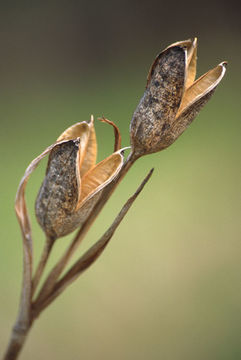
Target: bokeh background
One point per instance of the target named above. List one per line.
(169, 284)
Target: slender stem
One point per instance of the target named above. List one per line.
(59, 267)
(91, 255)
(23, 322)
(26, 315)
(17, 340)
(42, 263)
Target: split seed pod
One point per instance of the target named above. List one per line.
(172, 98)
(73, 182)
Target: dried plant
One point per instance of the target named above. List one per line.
(75, 188)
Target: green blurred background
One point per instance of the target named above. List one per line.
(169, 284)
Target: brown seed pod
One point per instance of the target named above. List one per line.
(73, 182)
(172, 98)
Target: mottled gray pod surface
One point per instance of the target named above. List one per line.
(158, 107)
(58, 195)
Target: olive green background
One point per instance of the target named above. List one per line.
(169, 284)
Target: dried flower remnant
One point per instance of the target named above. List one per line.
(73, 181)
(172, 98)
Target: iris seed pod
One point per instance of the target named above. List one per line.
(73, 182)
(172, 98)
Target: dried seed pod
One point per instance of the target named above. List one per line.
(172, 98)
(58, 195)
(73, 183)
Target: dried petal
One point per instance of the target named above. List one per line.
(159, 105)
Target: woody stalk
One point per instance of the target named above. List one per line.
(75, 188)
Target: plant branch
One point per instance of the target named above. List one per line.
(42, 263)
(91, 255)
(24, 321)
(61, 264)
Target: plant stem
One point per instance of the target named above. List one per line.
(17, 340)
(59, 267)
(42, 263)
(91, 255)
(26, 315)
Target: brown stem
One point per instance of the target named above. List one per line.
(59, 267)
(42, 263)
(24, 320)
(17, 340)
(26, 316)
(90, 256)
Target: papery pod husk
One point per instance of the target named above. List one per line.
(189, 115)
(159, 105)
(185, 120)
(202, 94)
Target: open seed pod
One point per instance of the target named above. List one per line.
(73, 181)
(172, 98)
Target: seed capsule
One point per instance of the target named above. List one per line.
(172, 98)
(73, 183)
